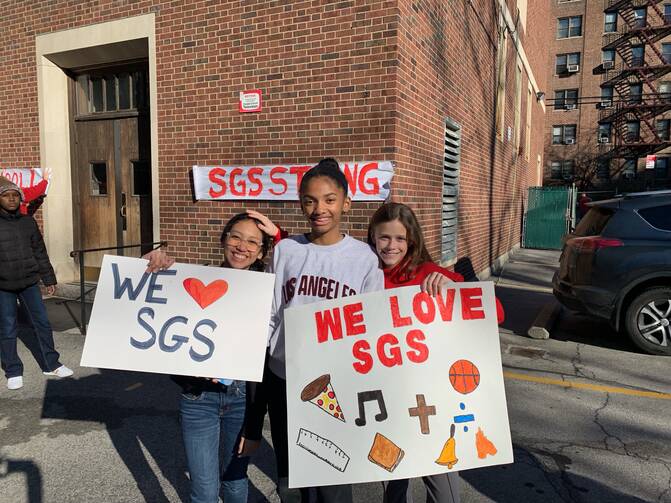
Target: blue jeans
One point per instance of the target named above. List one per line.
(31, 299)
(211, 426)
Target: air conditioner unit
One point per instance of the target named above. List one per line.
(569, 107)
(607, 65)
(603, 139)
(606, 104)
(569, 141)
(573, 68)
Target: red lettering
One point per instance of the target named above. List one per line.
(32, 178)
(397, 319)
(351, 178)
(471, 304)
(240, 184)
(423, 307)
(299, 171)
(328, 321)
(253, 175)
(354, 319)
(373, 183)
(278, 180)
(446, 306)
(360, 352)
(216, 176)
(421, 351)
(394, 357)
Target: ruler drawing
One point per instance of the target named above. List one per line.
(323, 448)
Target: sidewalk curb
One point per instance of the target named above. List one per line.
(545, 320)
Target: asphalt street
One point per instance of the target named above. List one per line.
(589, 414)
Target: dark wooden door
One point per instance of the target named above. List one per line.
(114, 188)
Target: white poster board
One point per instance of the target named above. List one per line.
(395, 384)
(24, 177)
(367, 181)
(188, 320)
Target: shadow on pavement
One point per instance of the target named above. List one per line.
(528, 480)
(30, 471)
(584, 329)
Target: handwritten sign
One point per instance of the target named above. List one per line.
(187, 320)
(367, 180)
(23, 177)
(395, 384)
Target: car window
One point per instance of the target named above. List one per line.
(594, 221)
(658, 216)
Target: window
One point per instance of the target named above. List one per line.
(607, 96)
(517, 124)
(604, 132)
(451, 166)
(603, 169)
(111, 92)
(567, 169)
(633, 131)
(661, 167)
(640, 16)
(555, 170)
(666, 52)
(502, 50)
(629, 168)
(610, 22)
(563, 61)
(662, 128)
(658, 216)
(608, 55)
(141, 178)
(527, 129)
(665, 91)
(98, 172)
(564, 134)
(667, 13)
(635, 93)
(566, 97)
(569, 27)
(637, 55)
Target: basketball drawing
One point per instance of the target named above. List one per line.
(464, 376)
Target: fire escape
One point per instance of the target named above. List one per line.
(633, 77)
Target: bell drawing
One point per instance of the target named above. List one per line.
(448, 455)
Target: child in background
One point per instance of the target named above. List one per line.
(24, 263)
(396, 236)
(33, 197)
(324, 252)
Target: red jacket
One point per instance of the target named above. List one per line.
(394, 279)
(32, 193)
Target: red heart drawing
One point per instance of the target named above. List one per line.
(204, 295)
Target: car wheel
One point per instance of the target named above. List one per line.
(648, 321)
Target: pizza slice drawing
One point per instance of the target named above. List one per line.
(320, 392)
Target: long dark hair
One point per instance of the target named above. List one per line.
(266, 240)
(417, 253)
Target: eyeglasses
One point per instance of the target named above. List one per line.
(236, 240)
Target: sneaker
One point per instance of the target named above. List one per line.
(61, 371)
(15, 382)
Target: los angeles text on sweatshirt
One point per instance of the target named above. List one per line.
(306, 273)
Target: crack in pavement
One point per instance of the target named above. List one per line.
(578, 366)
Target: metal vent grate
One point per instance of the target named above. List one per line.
(451, 166)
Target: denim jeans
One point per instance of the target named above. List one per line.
(211, 426)
(31, 300)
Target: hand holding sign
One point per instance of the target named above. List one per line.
(189, 320)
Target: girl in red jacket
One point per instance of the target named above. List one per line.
(395, 234)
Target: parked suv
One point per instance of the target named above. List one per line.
(616, 265)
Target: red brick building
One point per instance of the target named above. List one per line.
(122, 98)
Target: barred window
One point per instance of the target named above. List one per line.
(451, 167)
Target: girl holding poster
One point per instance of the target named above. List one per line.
(395, 234)
(212, 411)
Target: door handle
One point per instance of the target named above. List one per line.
(122, 211)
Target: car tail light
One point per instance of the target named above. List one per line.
(592, 243)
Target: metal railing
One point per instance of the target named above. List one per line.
(80, 254)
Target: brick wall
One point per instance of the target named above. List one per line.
(354, 80)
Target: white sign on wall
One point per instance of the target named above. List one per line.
(188, 320)
(395, 384)
(367, 181)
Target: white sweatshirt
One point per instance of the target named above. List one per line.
(306, 272)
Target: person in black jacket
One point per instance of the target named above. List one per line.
(23, 263)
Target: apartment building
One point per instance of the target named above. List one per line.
(609, 95)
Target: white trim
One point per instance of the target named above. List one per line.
(52, 95)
